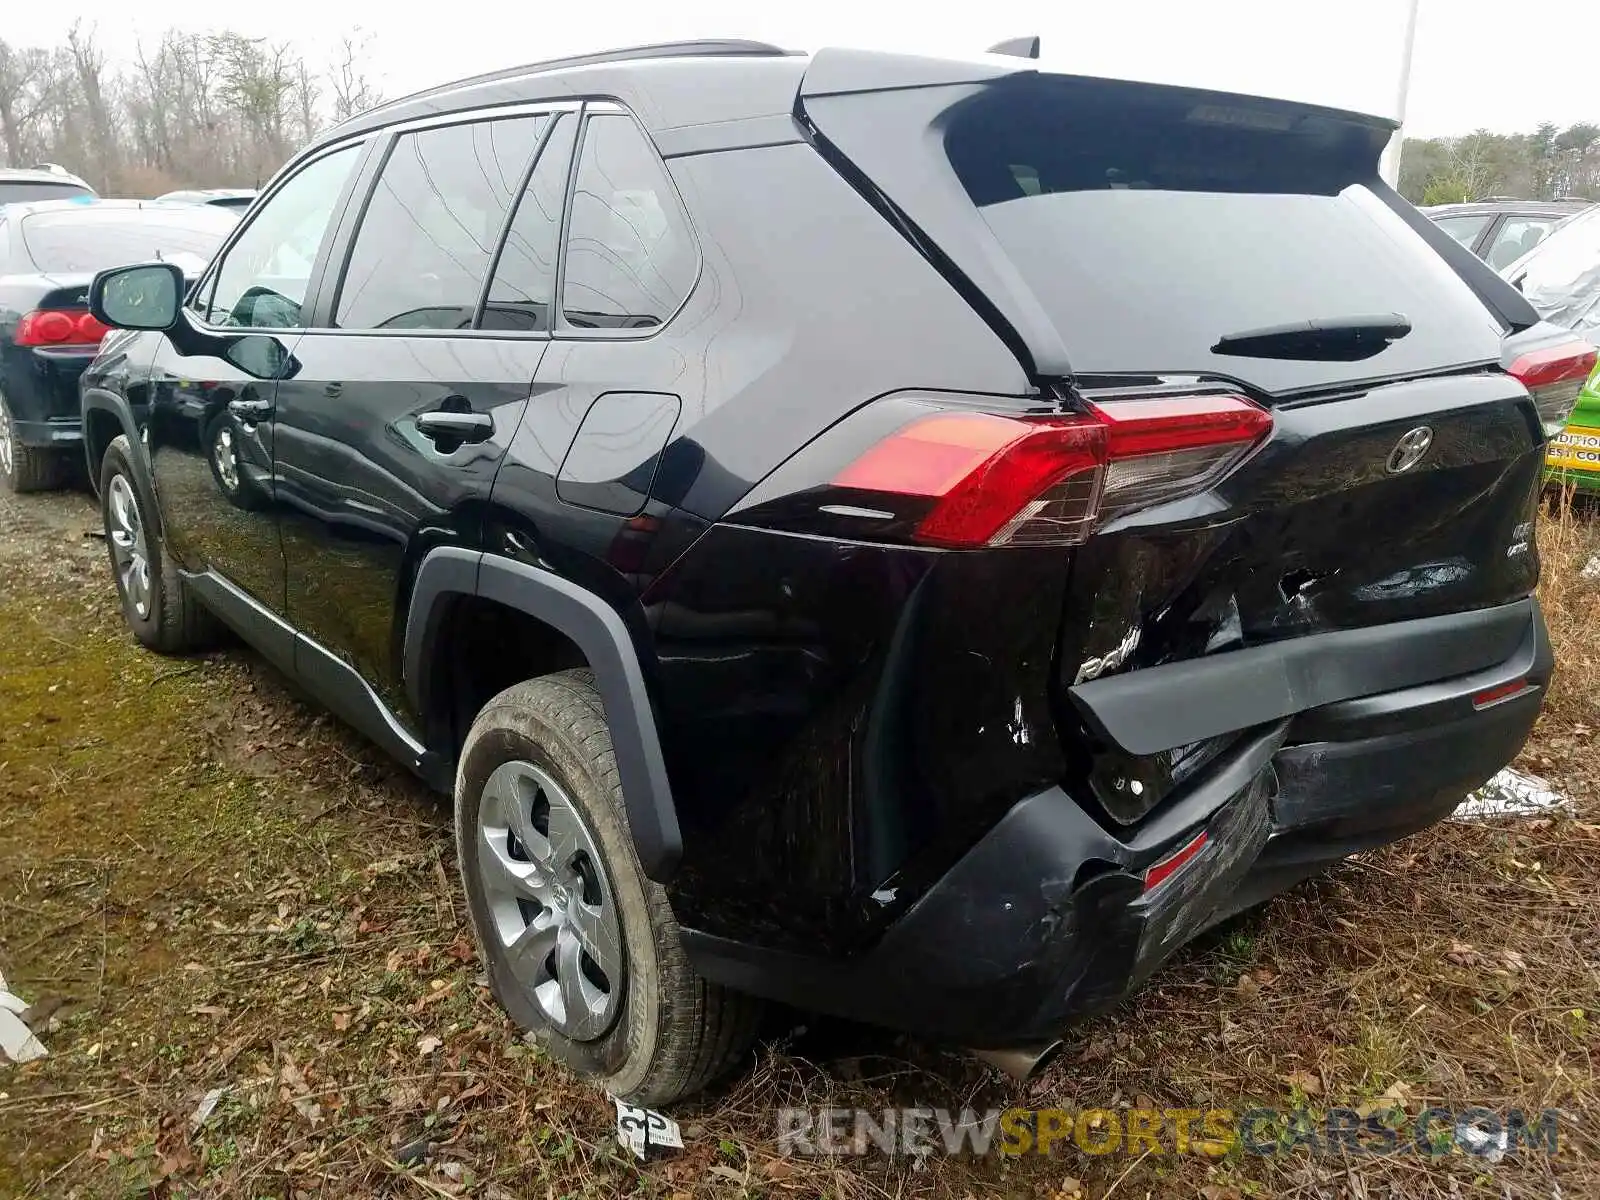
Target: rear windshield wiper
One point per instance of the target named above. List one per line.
(1325, 339)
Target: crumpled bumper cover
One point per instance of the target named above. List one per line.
(1047, 917)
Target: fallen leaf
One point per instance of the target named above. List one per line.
(427, 1044)
(777, 1168)
(1397, 1092)
(1305, 1081)
(341, 1021)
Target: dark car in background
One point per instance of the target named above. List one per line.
(49, 182)
(1500, 231)
(237, 199)
(861, 530)
(49, 251)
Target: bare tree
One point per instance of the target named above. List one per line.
(353, 91)
(27, 88)
(88, 64)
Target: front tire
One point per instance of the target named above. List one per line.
(155, 603)
(582, 948)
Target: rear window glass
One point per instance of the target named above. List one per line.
(21, 192)
(94, 239)
(1150, 223)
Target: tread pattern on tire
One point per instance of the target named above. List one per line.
(718, 1025)
(35, 469)
(183, 624)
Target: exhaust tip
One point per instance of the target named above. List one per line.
(1020, 1062)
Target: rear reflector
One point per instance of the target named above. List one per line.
(1045, 481)
(1173, 863)
(1554, 375)
(1502, 692)
(59, 327)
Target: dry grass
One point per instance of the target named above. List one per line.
(221, 889)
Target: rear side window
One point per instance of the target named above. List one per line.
(523, 290)
(22, 191)
(1465, 229)
(1150, 223)
(91, 239)
(422, 252)
(630, 258)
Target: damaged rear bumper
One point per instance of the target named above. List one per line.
(1050, 916)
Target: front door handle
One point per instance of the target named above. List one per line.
(456, 426)
(250, 411)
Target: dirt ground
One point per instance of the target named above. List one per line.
(216, 898)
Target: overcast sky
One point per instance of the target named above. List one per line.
(1477, 64)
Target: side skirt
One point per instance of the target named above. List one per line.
(324, 674)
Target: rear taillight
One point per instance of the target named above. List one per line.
(993, 480)
(1554, 375)
(59, 327)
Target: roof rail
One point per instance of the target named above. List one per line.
(707, 47)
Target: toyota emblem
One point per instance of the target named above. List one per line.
(1410, 449)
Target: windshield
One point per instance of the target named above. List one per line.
(1149, 227)
(14, 191)
(92, 239)
(1561, 276)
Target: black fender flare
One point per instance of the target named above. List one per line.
(597, 630)
(99, 400)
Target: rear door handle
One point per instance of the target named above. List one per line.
(456, 426)
(250, 410)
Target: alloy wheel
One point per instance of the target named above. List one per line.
(551, 906)
(129, 551)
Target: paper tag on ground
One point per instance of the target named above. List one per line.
(639, 1128)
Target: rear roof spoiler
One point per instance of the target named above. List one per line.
(838, 70)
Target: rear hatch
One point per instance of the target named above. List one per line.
(1131, 241)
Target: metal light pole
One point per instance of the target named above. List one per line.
(1390, 166)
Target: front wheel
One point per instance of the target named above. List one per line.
(582, 948)
(155, 603)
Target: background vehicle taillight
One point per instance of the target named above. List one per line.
(993, 480)
(59, 327)
(1554, 375)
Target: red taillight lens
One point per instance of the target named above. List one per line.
(59, 327)
(986, 473)
(998, 480)
(1160, 449)
(1554, 375)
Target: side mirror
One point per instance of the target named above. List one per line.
(143, 296)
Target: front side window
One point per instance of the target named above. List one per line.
(264, 276)
(630, 258)
(423, 249)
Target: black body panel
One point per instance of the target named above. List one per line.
(875, 777)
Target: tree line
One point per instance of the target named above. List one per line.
(193, 110)
(1550, 163)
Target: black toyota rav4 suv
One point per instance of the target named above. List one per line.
(913, 539)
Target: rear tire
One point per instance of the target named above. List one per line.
(158, 608)
(28, 468)
(635, 1018)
